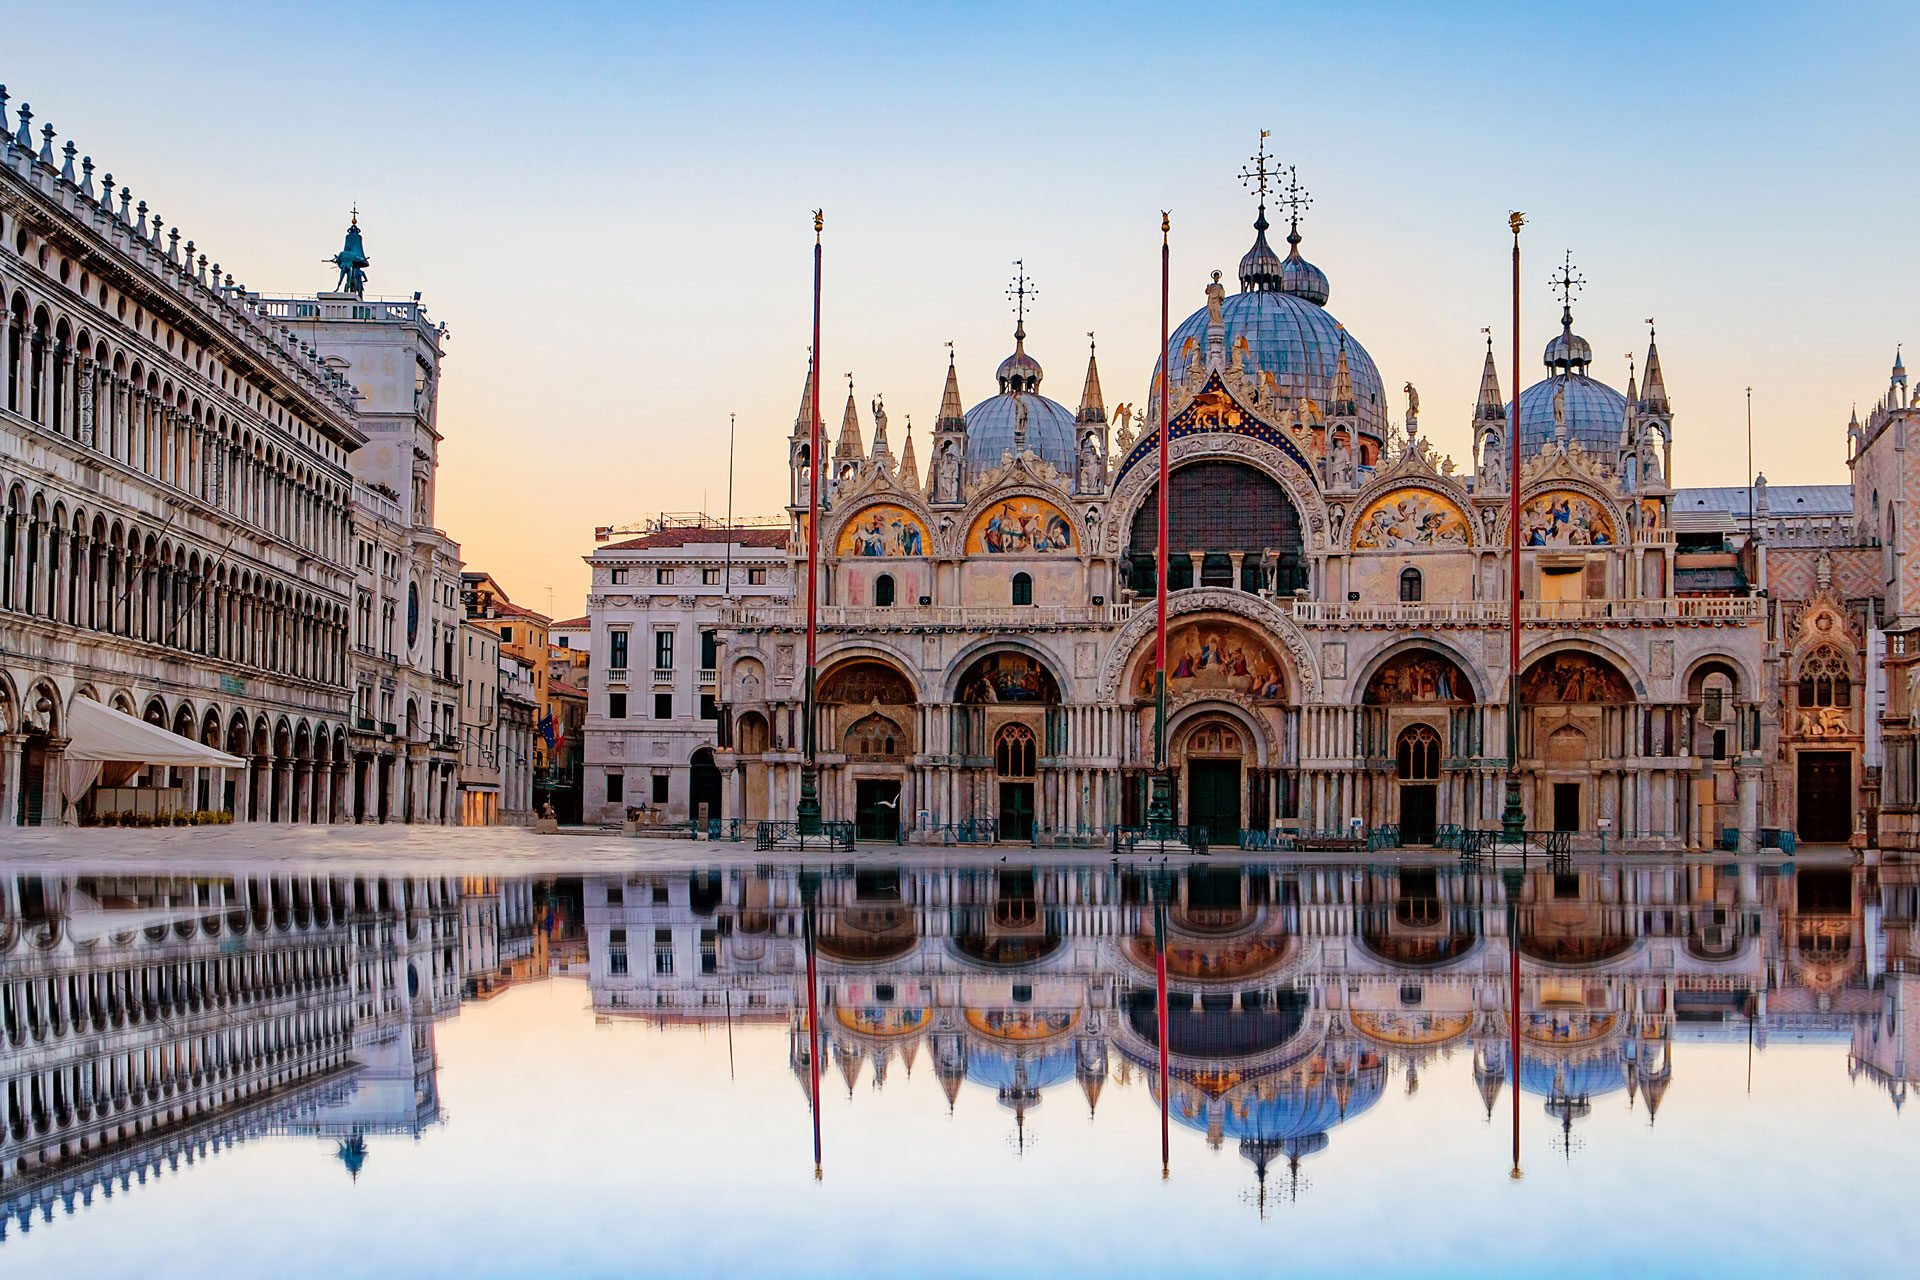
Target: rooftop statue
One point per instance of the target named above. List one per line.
(352, 260)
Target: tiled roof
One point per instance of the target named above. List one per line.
(569, 624)
(668, 538)
(1782, 500)
(504, 608)
(564, 689)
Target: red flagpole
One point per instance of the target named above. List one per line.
(1513, 820)
(1160, 796)
(808, 812)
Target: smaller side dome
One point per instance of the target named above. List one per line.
(1019, 371)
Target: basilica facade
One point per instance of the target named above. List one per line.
(1337, 601)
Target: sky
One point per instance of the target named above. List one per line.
(609, 206)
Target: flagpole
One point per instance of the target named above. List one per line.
(726, 590)
(1160, 798)
(1513, 821)
(809, 807)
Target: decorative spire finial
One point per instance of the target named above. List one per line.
(1487, 330)
(1254, 177)
(1568, 283)
(354, 210)
(949, 353)
(1298, 201)
(1020, 290)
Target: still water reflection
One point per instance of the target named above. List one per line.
(1049, 1067)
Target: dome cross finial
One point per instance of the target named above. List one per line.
(1256, 174)
(1567, 283)
(1297, 200)
(1020, 290)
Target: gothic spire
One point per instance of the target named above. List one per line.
(1490, 407)
(909, 480)
(1092, 408)
(952, 415)
(849, 445)
(1630, 420)
(1342, 379)
(1653, 390)
(801, 426)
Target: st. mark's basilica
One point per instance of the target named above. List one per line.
(1699, 667)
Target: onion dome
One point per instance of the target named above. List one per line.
(1019, 371)
(1568, 352)
(1590, 412)
(1300, 277)
(1261, 268)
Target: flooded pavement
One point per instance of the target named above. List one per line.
(705, 1066)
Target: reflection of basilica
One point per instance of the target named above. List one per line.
(150, 1021)
(1294, 992)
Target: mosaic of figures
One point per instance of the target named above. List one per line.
(1563, 518)
(1410, 1027)
(859, 683)
(1216, 656)
(1020, 526)
(1573, 677)
(1008, 677)
(882, 1020)
(1410, 518)
(884, 530)
(1021, 1024)
(1418, 677)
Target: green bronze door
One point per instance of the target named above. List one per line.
(1213, 799)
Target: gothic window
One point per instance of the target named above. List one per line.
(1013, 751)
(1023, 588)
(1409, 586)
(883, 591)
(1825, 680)
(1417, 758)
(875, 735)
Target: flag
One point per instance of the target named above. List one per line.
(546, 729)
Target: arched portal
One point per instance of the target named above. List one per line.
(1213, 753)
(1009, 721)
(1577, 714)
(703, 787)
(1417, 713)
(868, 713)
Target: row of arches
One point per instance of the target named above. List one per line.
(78, 385)
(94, 570)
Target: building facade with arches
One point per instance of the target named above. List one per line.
(1338, 595)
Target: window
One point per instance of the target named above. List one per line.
(1409, 586)
(663, 706)
(616, 895)
(1824, 679)
(660, 784)
(709, 650)
(506, 635)
(663, 576)
(709, 709)
(616, 706)
(663, 951)
(756, 577)
(1418, 757)
(616, 951)
(883, 591)
(618, 577)
(1013, 751)
(616, 650)
(1022, 588)
(711, 577)
(616, 787)
(663, 650)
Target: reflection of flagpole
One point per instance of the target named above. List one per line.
(1160, 1020)
(813, 1032)
(1513, 881)
(729, 994)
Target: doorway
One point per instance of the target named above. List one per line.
(1213, 799)
(1016, 811)
(876, 808)
(1826, 796)
(1566, 806)
(1419, 812)
(703, 789)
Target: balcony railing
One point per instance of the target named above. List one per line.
(1481, 613)
(616, 675)
(868, 617)
(663, 675)
(709, 675)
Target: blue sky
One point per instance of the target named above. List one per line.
(608, 205)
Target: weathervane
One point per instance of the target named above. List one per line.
(1568, 282)
(1020, 290)
(1295, 197)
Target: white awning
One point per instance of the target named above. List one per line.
(98, 732)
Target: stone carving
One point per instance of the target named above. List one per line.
(946, 485)
(352, 261)
(884, 530)
(1563, 518)
(1826, 722)
(1093, 468)
(1413, 408)
(1560, 410)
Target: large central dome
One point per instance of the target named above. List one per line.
(1292, 341)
